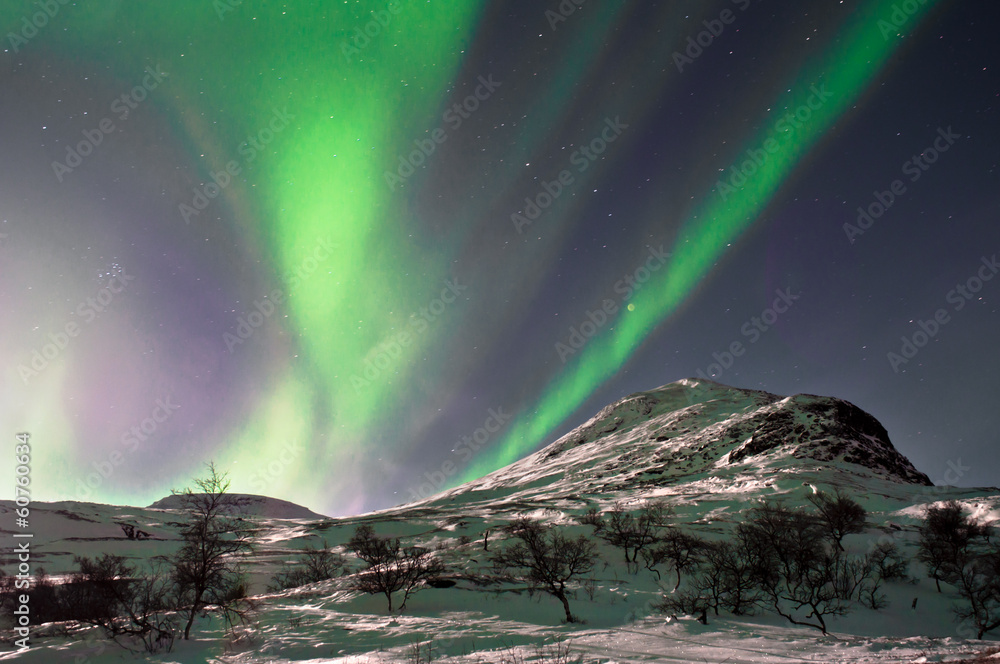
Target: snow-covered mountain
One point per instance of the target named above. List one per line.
(248, 504)
(707, 449)
(696, 442)
(697, 429)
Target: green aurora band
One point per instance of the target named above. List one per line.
(328, 185)
(846, 71)
(354, 105)
(321, 181)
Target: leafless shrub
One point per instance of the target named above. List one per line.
(317, 564)
(390, 566)
(546, 559)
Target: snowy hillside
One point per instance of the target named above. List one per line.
(708, 450)
(696, 429)
(250, 505)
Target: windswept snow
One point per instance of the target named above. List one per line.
(676, 443)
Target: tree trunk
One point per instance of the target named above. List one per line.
(819, 617)
(561, 596)
(678, 570)
(194, 612)
(187, 628)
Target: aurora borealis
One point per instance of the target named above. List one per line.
(357, 251)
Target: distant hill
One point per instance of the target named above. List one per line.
(250, 505)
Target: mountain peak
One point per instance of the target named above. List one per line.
(699, 430)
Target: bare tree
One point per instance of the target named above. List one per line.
(317, 564)
(131, 608)
(979, 586)
(7, 591)
(736, 566)
(208, 568)
(631, 533)
(678, 550)
(690, 602)
(784, 560)
(948, 540)
(956, 549)
(862, 577)
(795, 573)
(390, 566)
(592, 517)
(726, 578)
(545, 559)
(839, 515)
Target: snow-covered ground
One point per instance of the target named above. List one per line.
(676, 443)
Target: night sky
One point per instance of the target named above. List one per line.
(356, 252)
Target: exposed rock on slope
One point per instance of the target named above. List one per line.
(696, 429)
